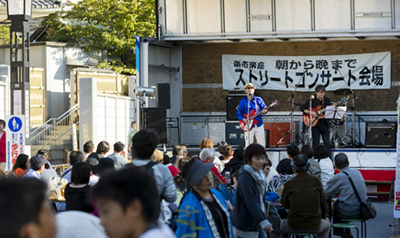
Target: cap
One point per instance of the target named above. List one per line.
(197, 172)
(37, 161)
(249, 85)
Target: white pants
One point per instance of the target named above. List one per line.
(257, 132)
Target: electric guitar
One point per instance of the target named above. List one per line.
(249, 125)
(314, 120)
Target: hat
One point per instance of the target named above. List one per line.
(37, 161)
(197, 171)
(249, 85)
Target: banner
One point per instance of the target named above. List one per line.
(15, 135)
(396, 212)
(359, 71)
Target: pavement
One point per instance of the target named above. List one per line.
(382, 225)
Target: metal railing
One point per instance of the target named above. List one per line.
(54, 128)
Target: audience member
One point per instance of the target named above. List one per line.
(315, 167)
(185, 151)
(76, 193)
(167, 162)
(132, 132)
(88, 148)
(321, 153)
(93, 178)
(157, 156)
(24, 210)
(212, 211)
(347, 204)
(249, 219)
(236, 162)
(77, 224)
(285, 173)
(177, 154)
(102, 149)
(48, 172)
(269, 170)
(304, 196)
(207, 156)
(119, 155)
(3, 138)
(271, 196)
(105, 166)
(74, 157)
(226, 153)
(37, 166)
(207, 143)
(292, 150)
(125, 209)
(21, 165)
(144, 143)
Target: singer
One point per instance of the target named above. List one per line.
(246, 106)
(322, 127)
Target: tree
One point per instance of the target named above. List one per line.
(4, 35)
(104, 24)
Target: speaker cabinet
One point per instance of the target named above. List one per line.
(381, 134)
(232, 104)
(163, 95)
(156, 119)
(233, 134)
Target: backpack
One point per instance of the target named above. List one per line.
(149, 167)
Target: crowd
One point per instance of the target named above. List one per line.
(145, 193)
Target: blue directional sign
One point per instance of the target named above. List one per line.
(14, 124)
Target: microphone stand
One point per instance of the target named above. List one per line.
(310, 123)
(292, 114)
(352, 114)
(248, 118)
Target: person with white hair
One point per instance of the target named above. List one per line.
(207, 156)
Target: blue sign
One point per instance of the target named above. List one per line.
(14, 124)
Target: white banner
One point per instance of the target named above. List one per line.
(15, 144)
(359, 71)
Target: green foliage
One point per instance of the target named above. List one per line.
(4, 34)
(105, 24)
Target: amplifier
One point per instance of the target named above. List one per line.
(381, 134)
(233, 134)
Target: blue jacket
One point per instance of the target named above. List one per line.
(248, 218)
(226, 193)
(242, 109)
(191, 212)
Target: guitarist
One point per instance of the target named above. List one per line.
(248, 104)
(322, 127)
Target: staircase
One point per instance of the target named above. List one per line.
(55, 135)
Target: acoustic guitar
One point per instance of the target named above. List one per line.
(248, 126)
(314, 120)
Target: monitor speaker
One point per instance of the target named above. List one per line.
(381, 134)
(155, 118)
(163, 95)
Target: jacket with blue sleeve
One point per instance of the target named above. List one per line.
(194, 217)
(248, 218)
(256, 103)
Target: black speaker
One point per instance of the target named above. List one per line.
(163, 95)
(381, 134)
(232, 104)
(155, 118)
(233, 134)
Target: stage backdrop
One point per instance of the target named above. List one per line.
(357, 71)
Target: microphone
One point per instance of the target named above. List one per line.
(250, 96)
(312, 97)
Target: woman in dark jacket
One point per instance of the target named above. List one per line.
(249, 219)
(76, 192)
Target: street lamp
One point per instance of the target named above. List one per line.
(20, 12)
